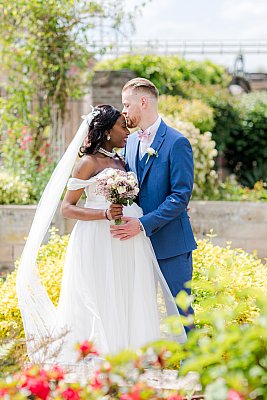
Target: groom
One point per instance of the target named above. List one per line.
(162, 159)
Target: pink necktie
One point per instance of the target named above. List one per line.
(143, 135)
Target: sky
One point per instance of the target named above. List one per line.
(206, 20)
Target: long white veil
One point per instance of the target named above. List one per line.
(37, 310)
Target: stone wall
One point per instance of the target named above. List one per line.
(15, 224)
(107, 85)
(244, 224)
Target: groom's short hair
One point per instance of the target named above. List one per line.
(142, 85)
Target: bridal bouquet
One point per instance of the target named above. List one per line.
(118, 187)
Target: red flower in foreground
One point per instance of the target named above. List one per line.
(3, 392)
(131, 396)
(86, 348)
(38, 387)
(56, 373)
(234, 395)
(36, 381)
(70, 394)
(96, 383)
(138, 391)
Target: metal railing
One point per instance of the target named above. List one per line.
(182, 47)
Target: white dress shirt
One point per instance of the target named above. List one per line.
(147, 142)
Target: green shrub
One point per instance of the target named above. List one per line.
(195, 111)
(168, 72)
(25, 187)
(13, 190)
(230, 359)
(222, 279)
(246, 148)
(240, 128)
(38, 177)
(223, 104)
(231, 190)
(206, 180)
(24, 159)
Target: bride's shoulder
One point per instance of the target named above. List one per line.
(85, 168)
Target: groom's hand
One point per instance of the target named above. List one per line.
(129, 229)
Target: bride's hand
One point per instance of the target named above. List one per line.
(115, 211)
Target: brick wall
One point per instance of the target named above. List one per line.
(107, 85)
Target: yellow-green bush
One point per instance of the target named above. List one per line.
(226, 278)
(50, 262)
(13, 190)
(217, 271)
(195, 111)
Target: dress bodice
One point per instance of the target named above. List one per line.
(93, 200)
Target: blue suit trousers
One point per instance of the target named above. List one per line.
(177, 271)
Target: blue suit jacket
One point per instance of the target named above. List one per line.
(165, 190)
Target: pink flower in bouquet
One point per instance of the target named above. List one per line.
(234, 395)
(118, 187)
(85, 348)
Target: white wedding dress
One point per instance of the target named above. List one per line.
(108, 291)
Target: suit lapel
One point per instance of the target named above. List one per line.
(136, 159)
(156, 145)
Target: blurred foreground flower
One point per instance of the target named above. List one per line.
(85, 348)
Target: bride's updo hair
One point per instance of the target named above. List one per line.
(105, 117)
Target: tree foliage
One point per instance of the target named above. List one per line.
(43, 48)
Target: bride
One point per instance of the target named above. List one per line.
(109, 287)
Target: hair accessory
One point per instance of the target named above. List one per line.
(93, 114)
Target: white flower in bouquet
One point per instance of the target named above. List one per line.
(118, 187)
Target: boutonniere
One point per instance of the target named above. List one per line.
(151, 152)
